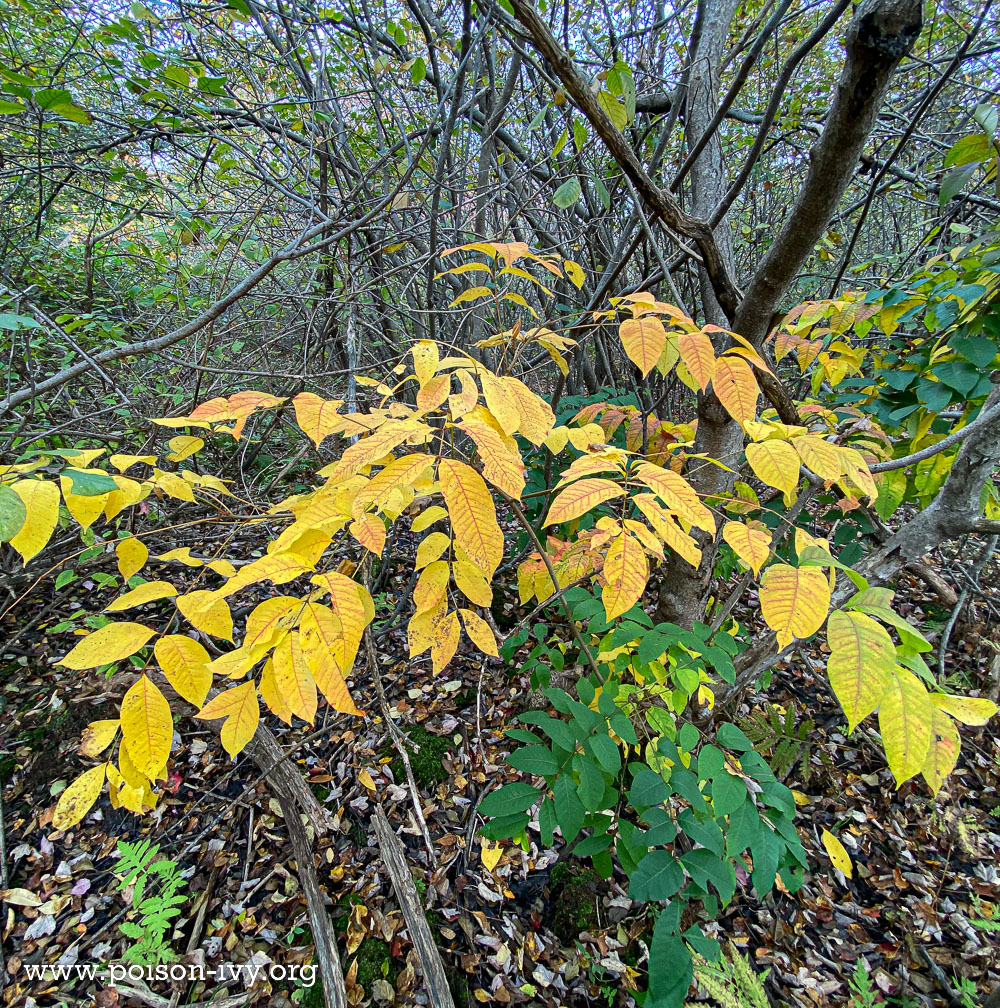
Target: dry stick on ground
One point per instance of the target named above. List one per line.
(394, 857)
(324, 939)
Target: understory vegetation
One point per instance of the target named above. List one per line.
(498, 504)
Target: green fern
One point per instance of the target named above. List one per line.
(731, 982)
(782, 742)
(861, 988)
(138, 867)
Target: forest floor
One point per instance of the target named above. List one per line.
(920, 910)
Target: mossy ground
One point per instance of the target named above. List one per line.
(573, 895)
(425, 754)
(374, 961)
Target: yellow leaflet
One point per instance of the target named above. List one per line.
(472, 583)
(151, 591)
(625, 574)
(696, 352)
(667, 529)
(182, 555)
(752, 544)
(462, 402)
(820, 456)
(736, 387)
(109, 644)
(433, 392)
(389, 435)
(78, 799)
(794, 601)
(41, 503)
(173, 485)
(293, 679)
(473, 516)
(125, 462)
(129, 492)
(221, 567)
(183, 446)
(278, 568)
(132, 555)
(839, 857)
(968, 710)
(575, 273)
(130, 772)
(861, 663)
(316, 417)
(271, 695)
(370, 532)
(905, 717)
(147, 727)
(431, 585)
(942, 754)
(472, 294)
(428, 517)
(84, 509)
(207, 611)
(97, 736)
(329, 652)
(502, 464)
(643, 339)
(479, 632)
(501, 401)
(353, 607)
(241, 710)
(678, 495)
(184, 663)
(401, 471)
(445, 643)
(271, 620)
(581, 497)
(775, 463)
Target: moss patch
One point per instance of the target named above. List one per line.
(574, 894)
(426, 763)
(373, 961)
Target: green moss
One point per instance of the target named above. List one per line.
(312, 997)
(7, 765)
(426, 763)
(574, 892)
(373, 961)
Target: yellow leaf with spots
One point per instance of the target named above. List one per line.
(240, 708)
(184, 663)
(78, 799)
(473, 516)
(969, 710)
(736, 387)
(905, 719)
(472, 583)
(479, 632)
(207, 611)
(752, 544)
(316, 417)
(41, 504)
(147, 727)
(97, 736)
(839, 857)
(111, 643)
(580, 497)
(942, 754)
(775, 463)
(445, 644)
(861, 663)
(625, 574)
(794, 601)
(426, 358)
(643, 339)
(293, 679)
(151, 591)
(132, 555)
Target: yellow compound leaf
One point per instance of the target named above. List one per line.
(293, 679)
(775, 463)
(132, 555)
(472, 583)
(184, 663)
(735, 385)
(625, 574)
(839, 857)
(501, 401)
(698, 355)
(41, 504)
(111, 643)
(751, 544)
(97, 736)
(861, 663)
(183, 446)
(84, 509)
(942, 754)
(643, 339)
(207, 611)
(428, 517)
(78, 799)
(905, 718)
(678, 495)
(147, 727)
(479, 632)
(445, 644)
(241, 710)
(473, 516)
(969, 710)
(581, 497)
(317, 417)
(151, 591)
(794, 601)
